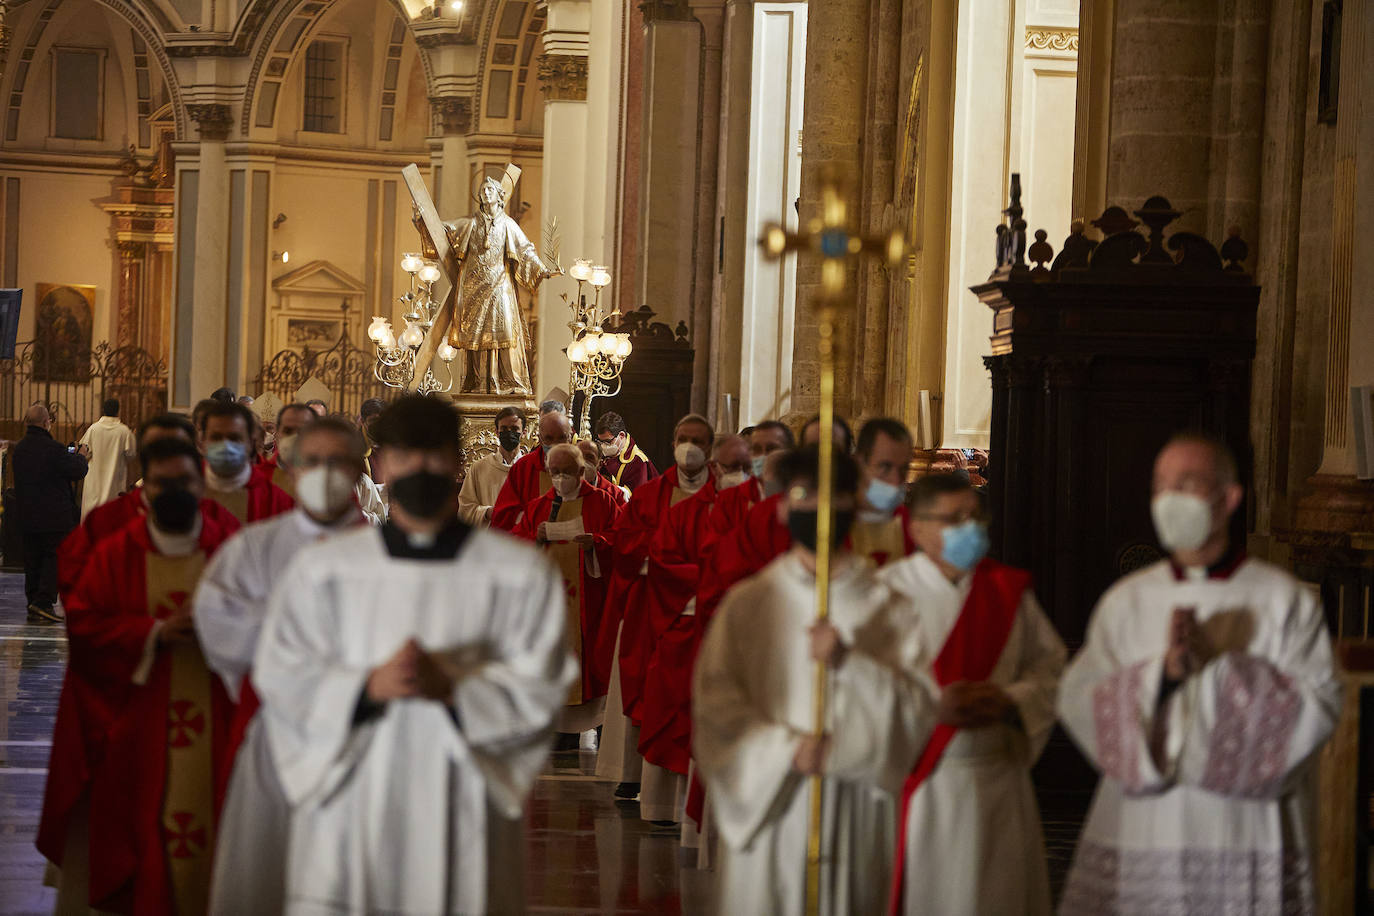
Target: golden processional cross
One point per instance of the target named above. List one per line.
(831, 238)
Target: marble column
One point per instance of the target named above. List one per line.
(669, 163)
(837, 45)
(563, 75)
(132, 259)
(210, 280)
(454, 117)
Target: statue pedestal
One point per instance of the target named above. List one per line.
(477, 423)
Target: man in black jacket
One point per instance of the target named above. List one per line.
(45, 504)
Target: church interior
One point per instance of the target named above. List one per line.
(1066, 230)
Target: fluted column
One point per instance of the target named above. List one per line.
(209, 277)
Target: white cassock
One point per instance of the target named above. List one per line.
(974, 842)
(1215, 817)
(482, 485)
(413, 807)
(752, 703)
(230, 605)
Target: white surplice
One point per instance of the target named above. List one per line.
(752, 702)
(230, 605)
(1205, 800)
(112, 446)
(415, 808)
(481, 486)
(974, 843)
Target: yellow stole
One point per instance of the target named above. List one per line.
(878, 543)
(236, 502)
(281, 478)
(567, 556)
(678, 496)
(188, 826)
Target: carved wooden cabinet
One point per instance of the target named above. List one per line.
(1096, 360)
(656, 389)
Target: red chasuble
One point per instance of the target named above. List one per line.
(260, 498)
(151, 786)
(103, 521)
(665, 736)
(739, 553)
(586, 594)
(625, 600)
(527, 481)
(970, 652)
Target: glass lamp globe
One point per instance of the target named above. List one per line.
(446, 352)
(581, 271)
(411, 262)
(429, 273)
(378, 328)
(577, 353)
(592, 341)
(601, 276)
(412, 336)
(623, 347)
(388, 339)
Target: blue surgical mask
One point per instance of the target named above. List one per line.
(966, 544)
(226, 457)
(883, 496)
(759, 463)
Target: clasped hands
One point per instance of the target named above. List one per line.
(412, 673)
(1189, 648)
(177, 630)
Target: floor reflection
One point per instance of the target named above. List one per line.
(586, 853)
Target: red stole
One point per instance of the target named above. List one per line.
(525, 483)
(970, 652)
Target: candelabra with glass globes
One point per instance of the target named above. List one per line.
(396, 353)
(597, 356)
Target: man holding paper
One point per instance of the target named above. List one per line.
(572, 521)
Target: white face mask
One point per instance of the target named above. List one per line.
(286, 449)
(567, 485)
(324, 491)
(731, 479)
(1182, 521)
(689, 457)
(609, 449)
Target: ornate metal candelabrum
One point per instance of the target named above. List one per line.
(597, 356)
(396, 354)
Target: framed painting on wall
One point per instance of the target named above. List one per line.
(62, 332)
(313, 333)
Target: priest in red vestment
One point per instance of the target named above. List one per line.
(620, 649)
(290, 419)
(675, 557)
(767, 438)
(108, 518)
(590, 460)
(133, 828)
(573, 523)
(231, 477)
(620, 459)
(529, 477)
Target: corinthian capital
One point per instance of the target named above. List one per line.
(453, 112)
(213, 119)
(563, 77)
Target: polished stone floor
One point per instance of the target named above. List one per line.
(587, 854)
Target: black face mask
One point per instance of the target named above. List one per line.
(174, 510)
(510, 439)
(801, 524)
(423, 494)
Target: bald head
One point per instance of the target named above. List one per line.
(555, 429)
(565, 458)
(731, 454)
(37, 415)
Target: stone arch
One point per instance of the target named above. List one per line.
(277, 16)
(152, 38)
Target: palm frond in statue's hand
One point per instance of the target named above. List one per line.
(553, 243)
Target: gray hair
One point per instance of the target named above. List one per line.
(552, 407)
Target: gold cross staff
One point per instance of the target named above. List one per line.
(831, 238)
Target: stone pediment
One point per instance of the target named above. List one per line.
(318, 277)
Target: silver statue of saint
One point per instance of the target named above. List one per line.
(489, 255)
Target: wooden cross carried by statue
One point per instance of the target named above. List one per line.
(832, 239)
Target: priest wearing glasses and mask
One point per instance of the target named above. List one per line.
(232, 478)
(969, 837)
(231, 604)
(413, 677)
(1203, 693)
(572, 522)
